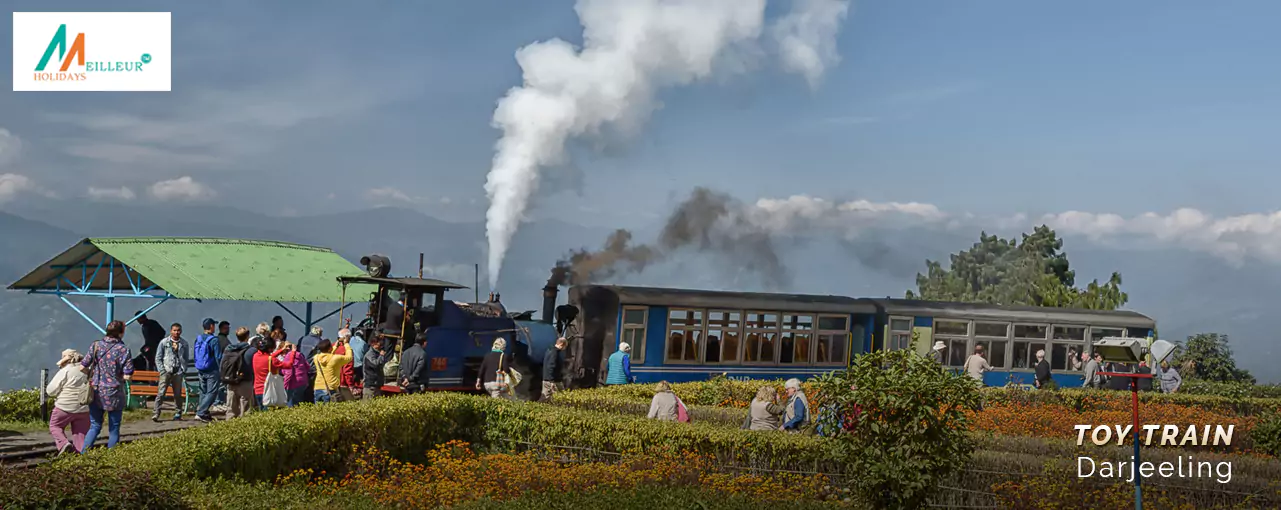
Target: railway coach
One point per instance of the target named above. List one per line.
(688, 335)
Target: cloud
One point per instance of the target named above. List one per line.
(806, 37)
(122, 193)
(387, 195)
(1232, 238)
(182, 188)
(13, 185)
(10, 146)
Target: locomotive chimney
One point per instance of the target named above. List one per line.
(549, 302)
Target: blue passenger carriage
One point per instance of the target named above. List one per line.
(688, 335)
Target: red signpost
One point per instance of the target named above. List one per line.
(1134, 391)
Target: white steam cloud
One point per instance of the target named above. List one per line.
(630, 50)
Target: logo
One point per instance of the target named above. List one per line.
(91, 51)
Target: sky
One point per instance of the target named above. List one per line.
(1085, 115)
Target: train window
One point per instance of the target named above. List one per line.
(684, 335)
(794, 347)
(994, 329)
(1069, 332)
(952, 328)
(1066, 356)
(798, 322)
(762, 320)
(1025, 354)
(1031, 331)
(635, 320)
(722, 336)
(900, 334)
(994, 350)
(1097, 333)
(833, 323)
(901, 325)
(767, 347)
(831, 348)
(957, 351)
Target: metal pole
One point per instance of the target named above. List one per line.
(111, 309)
(44, 399)
(307, 329)
(477, 286)
(1138, 475)
(420, 265)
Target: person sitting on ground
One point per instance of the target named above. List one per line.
(764, 413)
(620, 365)
(171, 360)
(69, 389)
(493, 376)
(798, 407)
(329, 370)
(553, 369)
(663, 405)
(375, 358)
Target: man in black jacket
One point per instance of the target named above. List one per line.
(553, 369)
(152, 334)
(375, 358)
(413, 367)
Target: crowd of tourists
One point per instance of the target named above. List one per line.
(1093, 368)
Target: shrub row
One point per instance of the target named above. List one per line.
(20, 405)
(1230, 389)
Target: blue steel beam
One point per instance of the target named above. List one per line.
(147, 309)
(82, 314)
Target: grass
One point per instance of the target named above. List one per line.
(27, 427)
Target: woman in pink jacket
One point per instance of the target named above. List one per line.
(293, 366)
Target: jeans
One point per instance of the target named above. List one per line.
(297, 395)
(321, 396)
(166, 381)
(258, 402)
(79, 426)
(210, 385)
(95, 425)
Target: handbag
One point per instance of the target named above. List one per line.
(86, 397)
(273, 392)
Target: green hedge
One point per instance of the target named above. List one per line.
(20, 405)
(1230, 389)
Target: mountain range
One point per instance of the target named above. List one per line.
(1185, 292)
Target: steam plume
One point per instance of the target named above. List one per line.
(630, 49)
(707, 222)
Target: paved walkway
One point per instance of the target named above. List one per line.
(21, 450)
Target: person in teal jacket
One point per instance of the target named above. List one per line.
(620, 365)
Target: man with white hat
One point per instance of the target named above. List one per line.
(937, 353)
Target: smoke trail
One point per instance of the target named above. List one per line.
(630, 50)
(706, 222)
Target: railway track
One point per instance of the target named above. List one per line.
(27, 450)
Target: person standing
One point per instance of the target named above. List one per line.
(328, 370)
(936, 354)
(798, 407)
(237, 373)
(152, 334)
(1043, 380)
(264, 366)
(1092, 377)
(208, 362)
(1170, 379)
(358, 348)
(69, 389)
(375, 358)
(110, 364)
(620, 365)
(492, 376)
(976, 364)
(307, 347)
(413, 366)
(553, 369)
(171, 360)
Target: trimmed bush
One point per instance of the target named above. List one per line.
(639, 498)
(96, 488)
(20, 405)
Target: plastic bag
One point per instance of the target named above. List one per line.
(273, 391)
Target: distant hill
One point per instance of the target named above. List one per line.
(1187, 293)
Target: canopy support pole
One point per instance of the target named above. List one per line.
(90, 273)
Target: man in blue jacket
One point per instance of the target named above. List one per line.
(208, 354)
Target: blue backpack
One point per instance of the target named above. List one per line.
(207, 353)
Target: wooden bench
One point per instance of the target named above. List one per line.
(146, 383)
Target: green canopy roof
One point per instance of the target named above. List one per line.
(202, 268)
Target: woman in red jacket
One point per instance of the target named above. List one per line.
(263, 365)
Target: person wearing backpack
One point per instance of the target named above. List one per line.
(208, 363)
(236, 371)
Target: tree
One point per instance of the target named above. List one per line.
(1208, 356)
(1031, 272)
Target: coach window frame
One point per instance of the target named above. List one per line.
(892, 341)
(748, 330)
(950, 339)
(795, 328)
(1030, 355)
(1079, 344)
(1007, 344)
(638, 348)
(820, 333)
(685, 329)
(737, 330)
